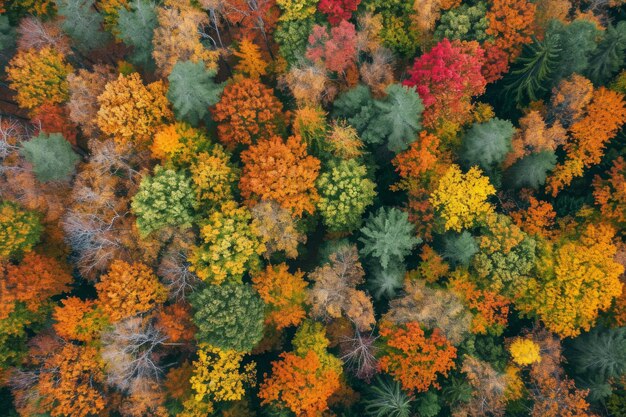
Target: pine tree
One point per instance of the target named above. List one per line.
(400, 114)
(135, 27)
(610, 54)
(531, 171)
(82, 23)
(51, 155)
(486, 144)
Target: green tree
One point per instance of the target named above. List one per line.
(388, 236)
(387, 399)
(228, 316)
(609, 56)
(577, 41)
(135, 27)
(400, 114)
(531, 171)
(7, 33)
(51, 155)
(486, 144)
(466, 23)
(292, 39)
(20, 229)
(345, 193)
(386, 282)
(459, 248)
(165, 199)
(192, 90)
(82, 23)
(601, 353)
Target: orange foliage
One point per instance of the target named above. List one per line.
(129, 289)
(414, 359)
(283, 293)
(511, 24)
(610, 193)
(55, 119)
(281, 171)
(421, 156)
(570, 99)
(175, 321)
(432, 266)
(604, 116)
(301, 384)
(537, 219)
(247, 112)
(32, 282)
(533, 136)
(251, 62)
(71, 382)
(78, 319)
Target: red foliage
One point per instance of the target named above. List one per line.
(338, 10)
(336, 50)
(54, 118)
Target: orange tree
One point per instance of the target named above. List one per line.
(413, 358)
(281, 171)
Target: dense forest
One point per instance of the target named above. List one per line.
(313, 208)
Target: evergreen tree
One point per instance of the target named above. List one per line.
(486, 144)
(601, 353)
(387, 399)
(135, 27)
(400, 114)
(82, 23)
(192, 90)
(531, 171)
(51, 155)
(609, 56)
(577, 41)
(459, 248)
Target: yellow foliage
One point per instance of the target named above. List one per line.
(251, 62)
(461, 199)
(39, 76)
(525, 351)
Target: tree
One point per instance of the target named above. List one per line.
(465, 22)
(82, 22)
(283, 293)
(511, 25)
(600, 353)
(84, 88)
(525, 351)
(532, 170)
(278, 228)
(488, 396)
(230, 245)
(534, 136)
(413, 358)
(400, 114)
(281, 171)
(338, 10)
(334, 292)
(606, 59)
(217, 375)
(228, 316)
(387, 399)
(461, 199)
(251, 62)
(609, 193)
(78, 319)
(345, 193)
(39, 76)
(486, 144)
(129, 289)
(459, 248)
(71, 382)
(180, 143)
(51, 155)
(20, 229)
(292, 38)
(388, 236)
(54, 118)
(335, 49)
(177, 38)
(584, 267)
(165, 199)
(446, 78)
(248, 111)
(135, 27)
(192, 90)
(130, 111)
(214, 177)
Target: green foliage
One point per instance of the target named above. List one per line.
(164, 199)
(292, 38)
(458, 391)
(13, 334)
(395, 119)
(609, 56)
(428, 405)
(486, 144)
(386, 399)
(386, 282)
(20, 229)
(399, 34)
(601, 352)
(7, 33)
(466, 22)
(82, 23)
(459, 248)
(228, 316)
(400, 114)
(51, 156)
(577, 41)
(531, 171)
(192, 90)
(345, 193)
(534, 70)
(388, 236)
(135, 27)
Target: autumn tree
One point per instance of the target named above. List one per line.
(414, 358)
(38, 77)
(283, 293)
(248, 111)
(489, 388)
(345, 193)
(214, 177)
(77, 319)
(230, 245)
(165, 199)
(20, 231)
(192, 90)
(251, 62)
(228, 316)
(84, 89)
(565, 272)
(129, 289)
(51, 156)
(277, 226)
(461, 199)
(511, 24)
(334, 293)
(335, 49)
(130, 111)
(446, 78)
(609, 193)
(281, 171)
(338, 10)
